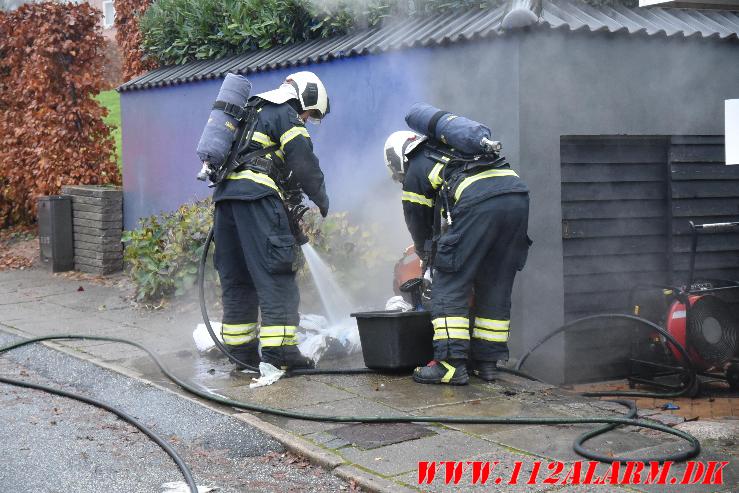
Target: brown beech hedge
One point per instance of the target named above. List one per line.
(128, 35)
(51, 130)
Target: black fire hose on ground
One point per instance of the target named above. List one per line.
(690, 368)
(609, 422)
(178, 460)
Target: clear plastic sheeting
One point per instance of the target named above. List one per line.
(318, 339)
(201, 337)
(181, 487)
(268, 375)
(397, 303)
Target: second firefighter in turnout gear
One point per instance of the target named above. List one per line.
(480, 251)
(256, 250)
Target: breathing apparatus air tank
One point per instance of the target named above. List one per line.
(223, 123)
(465, 135)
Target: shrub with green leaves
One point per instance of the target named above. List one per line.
(163, 253)
(179, 31)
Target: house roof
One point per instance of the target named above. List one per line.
(452, 28)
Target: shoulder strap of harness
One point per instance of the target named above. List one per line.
(234, 110)
(247, 124)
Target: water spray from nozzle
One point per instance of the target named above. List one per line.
(336, 302)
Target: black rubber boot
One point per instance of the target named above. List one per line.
(453, 372)
(486, 370)
(287, 358)
(246, 353)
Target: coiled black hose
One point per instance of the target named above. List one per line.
(689, 370)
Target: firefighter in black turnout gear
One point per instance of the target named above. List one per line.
(479, 242)
(256, 250)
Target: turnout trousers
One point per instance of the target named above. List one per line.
(255, 257)
(480, 253)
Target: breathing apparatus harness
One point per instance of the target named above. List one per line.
(258, 162)
(457, 167)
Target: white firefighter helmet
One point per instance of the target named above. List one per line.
(397, 148)
(311, 93)
(307, 88)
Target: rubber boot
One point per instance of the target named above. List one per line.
(246, 353)
(486, 370)
(287, 358)
(453, 372)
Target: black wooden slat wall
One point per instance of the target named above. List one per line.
(614, 192)
(704, 190)
(626, 203)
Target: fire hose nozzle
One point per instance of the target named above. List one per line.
(296, 213)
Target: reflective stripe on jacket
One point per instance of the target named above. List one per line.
(278, 124)
(423, 182)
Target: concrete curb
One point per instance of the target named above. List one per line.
(329, 460)
(369, 481)
(294, 443)
(315, 454)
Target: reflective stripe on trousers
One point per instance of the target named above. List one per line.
(488, 329)
(277, 335)
(237, 334)
(451, 328)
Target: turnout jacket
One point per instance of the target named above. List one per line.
(422, 185)
(278, 125)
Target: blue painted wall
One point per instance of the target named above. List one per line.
(369, 96)
(530, 88)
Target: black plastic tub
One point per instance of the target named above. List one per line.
(393, 340)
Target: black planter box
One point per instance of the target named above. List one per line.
(395, 340)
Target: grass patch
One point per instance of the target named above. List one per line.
(112, 101)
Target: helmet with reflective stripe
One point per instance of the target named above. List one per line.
(311, 93)
(397, 148)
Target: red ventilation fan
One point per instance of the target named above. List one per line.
(702, 317)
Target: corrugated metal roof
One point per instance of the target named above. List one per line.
(444, 29)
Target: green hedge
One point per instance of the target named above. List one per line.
(179, 31)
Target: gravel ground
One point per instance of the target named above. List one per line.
(54, 444)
